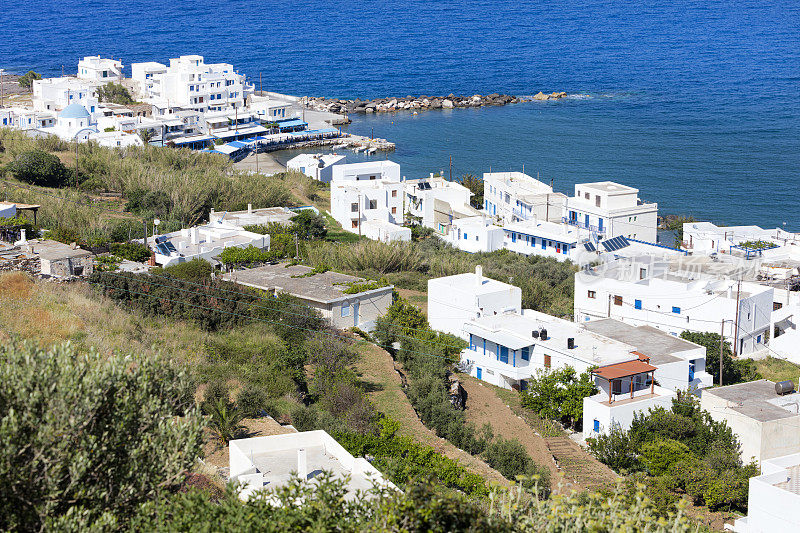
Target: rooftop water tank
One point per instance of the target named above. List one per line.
(784, 387)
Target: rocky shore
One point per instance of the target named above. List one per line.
(415, 103)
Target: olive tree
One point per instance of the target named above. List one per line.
(86, 438)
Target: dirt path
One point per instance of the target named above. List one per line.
(485, 407)
(383, 384)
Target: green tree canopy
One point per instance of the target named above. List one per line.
(26, 80)
(38, 167)
(733, 370)
(89, 436)
(309, 225)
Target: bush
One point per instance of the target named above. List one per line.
(510, 458)
(558, 394)
(196, 270)
(250, 256)
(115, 93)
(252, 402)
(26, 80)
(65, 235)
(37, 167)
(132, 251)
(89, 436)
(615, 450)
(309, 225)
(733, 370)
(659, 455)
(216, 391)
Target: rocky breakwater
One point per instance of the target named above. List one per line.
(411, 103)
(552, 96)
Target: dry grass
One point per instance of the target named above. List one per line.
(47, 312)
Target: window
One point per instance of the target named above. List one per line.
(596, 426)
(526, 354)
(394, 194)
(547, 361)
(504, 354)
(676, 310)
(691, 370)
(637, 304)
(775, 305)
(642, 273)
(471, 342)
(465, 236)
(354, 207)
(355, 223)
(591, 294)
(758, 339)
(597, 200)
(346, 310)
(617, 300)
(484, 346)
(373, 204)
(394, 210)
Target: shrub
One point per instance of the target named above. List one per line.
(250, 256)
(558, 394)
(132, 251)
(216, 391)
(659, 455)
(225, 421)
(89, 436)
(26, 80)
(37, 167)
(733, 370)
(309, 225)
(196, 270)
(115, 93)
(252, 401)
(615, 450)
(510, 458)
(65, 235)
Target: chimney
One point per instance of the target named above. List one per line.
(193, 235)
(478, 276)
(249, 209)
(22, 237)
(302, 464)
(730, 291)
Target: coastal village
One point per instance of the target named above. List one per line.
(651, 306)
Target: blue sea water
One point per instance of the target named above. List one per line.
(695, 103)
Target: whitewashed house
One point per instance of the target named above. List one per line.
(547, 239)
(191, 83)
(475, 234)
(610, 209)
(55, 94)
(202, 242)
(367, 199)
(259, 216)
(100, 70)
(271, 462)
(766, 423)
(436, 203)
(455, 300)
(773, 244)
(316, 166)
(515, 196)
(345, 301)
(773, 497)
(675, 296)
(74, 122)
(23, 118)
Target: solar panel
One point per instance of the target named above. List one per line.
(589, 247)
(162, 249)
(617, 243)
(171, 247)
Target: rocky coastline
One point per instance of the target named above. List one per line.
(418, 103)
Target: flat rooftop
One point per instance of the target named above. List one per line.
(608, 187)
(325, 287)
(54, 250)
(516, 331)
(469, 282)
(660, 347)
(758, 400)
(281, 215)
(549, 230)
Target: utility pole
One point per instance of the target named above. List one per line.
(736, 336)
(721, 344)
(451, 168)
(359, 214)
(256, 157)
(2, 87)
(609, 305)
(547, 209)
(260, 85)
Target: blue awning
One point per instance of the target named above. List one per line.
(291, 123)
(238, 144)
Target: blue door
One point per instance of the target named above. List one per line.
(513, 237)
(479, 373)
(600, 224)
(587, 221)
(355, 313)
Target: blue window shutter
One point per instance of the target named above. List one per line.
(676, 310)
(596, 426)
(637, 304)
(526, 354)
(484, 346)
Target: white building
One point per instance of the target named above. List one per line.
(98, 69)
(766, 423)
(258, 217)
(328, 292)
(74, 122)
(436, 203)
(475, 234)
(773, 498)
(455, 300)
(316, 166)
(26, 118)
(708, 238)
(610, 210)
(514, 196)
(55, 94)
(675, 296)
(269, 109)
(547, 239)
(367, 199)
(191, 83)
(269, 463)
(8, 210)
(202, 242)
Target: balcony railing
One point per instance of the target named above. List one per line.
(579, 224)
